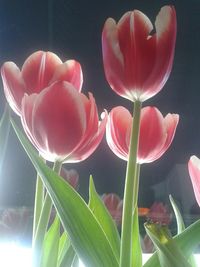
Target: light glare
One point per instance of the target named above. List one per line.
(13, 255)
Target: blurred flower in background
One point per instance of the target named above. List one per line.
(16, 224)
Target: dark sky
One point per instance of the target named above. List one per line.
(72, 29)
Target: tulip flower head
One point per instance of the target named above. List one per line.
(159, 213)
(41, 69)
(194, 171)
(114, 205)
(156, 133)
(137, 60)
(62, 123)
(71, 176)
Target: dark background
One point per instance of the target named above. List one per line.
(72, 29)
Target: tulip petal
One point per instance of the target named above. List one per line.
(71, 72)
(194, 171)
(93, 135)
(118, 131)
(14, 86)
(38, 69)
(28, 105)
(165, 45)
(113, 59)
(152, 134)
(138, 49)
(170, 122)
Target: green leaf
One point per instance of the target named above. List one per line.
(86, 235)
(187, 241)
(75, 262)
(4, 133)
(180, 225)
(64, 245)
(168, 252)
(105, 219)
(179, 219)
(68, 258)
(51, 245)
(136, 245)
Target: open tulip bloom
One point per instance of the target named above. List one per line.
(62, 125)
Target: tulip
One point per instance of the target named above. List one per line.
(194, 171)
(160, 214)
(156, 133)
(114, 205)
(71, 176)
(138, 58)
(62, 123)
(40, 70)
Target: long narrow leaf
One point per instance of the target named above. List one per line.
(181, 225)
(68, 258)
(51, 245)
(179, 219)
(104, 218)
(168, 252)
(64, 244)
(86, 235)
(187, 241)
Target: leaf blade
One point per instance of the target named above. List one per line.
(86, 235)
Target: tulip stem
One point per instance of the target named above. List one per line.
(130, 191)
(43, 223)
(39, 198)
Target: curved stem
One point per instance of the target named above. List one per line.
(131, 188)
(43, 223)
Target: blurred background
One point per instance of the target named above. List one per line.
(72, 29)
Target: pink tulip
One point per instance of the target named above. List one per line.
(114, 205)
(62, 123)
(156, 133)
(71, 176)
(138, 58)
(41, 69)
(194, 171)
(159, 213)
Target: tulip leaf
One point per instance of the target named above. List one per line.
(75, 262)
(136, 245)
(168, 252)
(50, 245)
(68, 258)
(4, 133)
(179, 219)
(187, 241)
(64, 244)
(104, 218)
(180, 225)
(86, 235)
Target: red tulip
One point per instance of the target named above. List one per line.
(159, 213)
(114, 205)
(71, 176)
(137, 58)
(41, 69)
(194, 171)
(62, 123)
(156, 133)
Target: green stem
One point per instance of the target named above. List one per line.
(43, 223)
(136, 186)
(136, 245)
(130, 191)
(39, 197)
